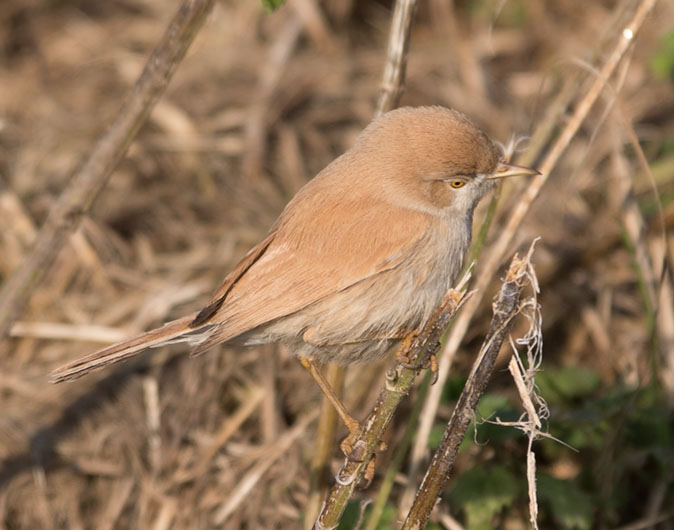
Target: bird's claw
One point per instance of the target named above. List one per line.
(352, 446)
(433, 365)
(430, 361)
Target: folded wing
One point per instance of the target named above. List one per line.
(304, 264)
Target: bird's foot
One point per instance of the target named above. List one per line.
(430, 360)
(433, 365)
(351, 446)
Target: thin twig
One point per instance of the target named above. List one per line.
(391, 90)
(494, 254)
(393, 469)
(505, 309)
(258, 113)
(399, 383)
(87, 183)
(396, 56)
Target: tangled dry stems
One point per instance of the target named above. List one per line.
(178, 213)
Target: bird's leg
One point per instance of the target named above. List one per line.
(351, 423)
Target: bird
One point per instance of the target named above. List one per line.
(359, 258)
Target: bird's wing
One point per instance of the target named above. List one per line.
(297, 264)
(230, 280)
(305, 262)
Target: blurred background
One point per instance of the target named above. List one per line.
(261, 103)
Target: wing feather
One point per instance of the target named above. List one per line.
(305, 262)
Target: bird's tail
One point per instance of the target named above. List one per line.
(176, 331)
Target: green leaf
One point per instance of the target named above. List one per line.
(483, 494)
(453, 388)
(567, 383)
(491, 404)
(569, 506)
(388, 518)
(351, 515)
(490, 407)
(272, 5)
(649, 425)
(436, 434)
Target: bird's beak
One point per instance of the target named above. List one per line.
(511, 170)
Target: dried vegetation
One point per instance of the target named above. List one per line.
(260, 104)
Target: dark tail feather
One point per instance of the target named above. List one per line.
(176, 331)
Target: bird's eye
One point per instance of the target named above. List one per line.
(456, 184)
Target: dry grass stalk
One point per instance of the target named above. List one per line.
(253, 398)
(85, 186)
(248, 482)
(391, 90)
(259, 112)
(57, 331)
(505, 309)
(535, 408)
(665, 317)
(169, 218)
(324, 446)
(399, 382)
(396, 56)
(19, 230)
(654, 258)
(153, 418)
(315, 24)
(495, 252)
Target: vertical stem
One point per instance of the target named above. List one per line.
(439, 470)
(396, 56)
(325, 434)
(493, 256)
(391, 90)
(399, 382)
